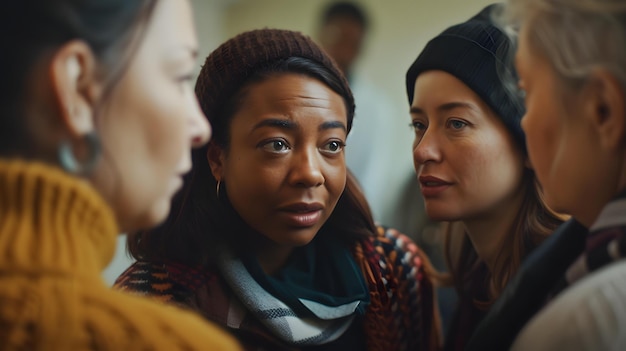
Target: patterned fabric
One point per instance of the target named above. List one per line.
(400, 315)
(329, 323)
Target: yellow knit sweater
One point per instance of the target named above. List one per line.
(56, 236)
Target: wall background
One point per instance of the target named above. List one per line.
(400, 29)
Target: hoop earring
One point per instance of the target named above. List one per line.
(217, 188)
(68, 160)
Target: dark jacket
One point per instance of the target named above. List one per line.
(543, 276)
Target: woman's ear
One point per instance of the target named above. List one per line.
(607, 110)
(73, 76)
(216, 157)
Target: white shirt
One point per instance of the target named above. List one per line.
(589, 315)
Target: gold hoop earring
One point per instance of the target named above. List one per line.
(217, 188)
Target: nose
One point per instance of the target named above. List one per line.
(426, 148)
(200, 129)
(306, 170)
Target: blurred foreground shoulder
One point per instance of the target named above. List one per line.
(592, 316)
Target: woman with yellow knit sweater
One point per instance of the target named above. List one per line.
(97, 118)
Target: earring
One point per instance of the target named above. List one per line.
(217, 188)
(68, 160)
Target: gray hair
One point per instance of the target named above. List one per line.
(575, 36)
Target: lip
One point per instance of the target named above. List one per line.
(302, 214)
(433, 186)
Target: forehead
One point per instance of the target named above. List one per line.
(291, 96)
(528, 58)
(436, 86)
(171, 26)
(290, 88)
(521, 54)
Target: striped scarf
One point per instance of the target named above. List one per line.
(606, 243)
(327, 324)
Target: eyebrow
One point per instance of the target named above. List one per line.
(446, 107)
(277, 123)
(290, 125)
(333, 125)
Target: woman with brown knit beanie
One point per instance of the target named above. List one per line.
(90, 90)
(471, 161)
(271, 236)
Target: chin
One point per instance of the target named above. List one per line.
(155, 216)
(441, 215)
(299, 239)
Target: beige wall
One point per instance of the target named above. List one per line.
(400, 30)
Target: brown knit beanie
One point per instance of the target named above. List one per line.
(234, 62)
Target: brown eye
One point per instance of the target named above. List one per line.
(275, 146)
(333, 147)
(417, 126)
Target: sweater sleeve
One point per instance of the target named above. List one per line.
(118, 321)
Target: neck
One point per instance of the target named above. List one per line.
(271, 256)
(488, 232)
(613, 184)
(274, 259)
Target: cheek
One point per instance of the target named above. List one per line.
(493, 165)
(250, 181)
(144, 148)
(336, 180)
(543, 136)
(150, 121)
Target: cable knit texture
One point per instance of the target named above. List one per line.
(56, 236)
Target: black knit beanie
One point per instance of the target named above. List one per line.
(478, 53)
(230, 66)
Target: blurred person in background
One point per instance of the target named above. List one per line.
(571, 294)
(373, 147)
(390, 186)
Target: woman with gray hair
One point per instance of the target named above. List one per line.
(572, 64)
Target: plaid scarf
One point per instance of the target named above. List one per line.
(328, 323)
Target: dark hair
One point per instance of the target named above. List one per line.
(30, 30)
(345, 9)
(202, 220)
